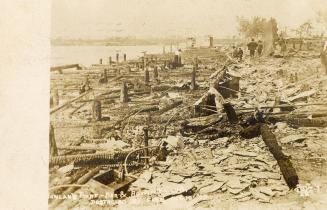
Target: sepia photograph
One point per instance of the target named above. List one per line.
(185, 104)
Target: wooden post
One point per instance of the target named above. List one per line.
(155, 73)
(124, 56)
(128, 69)
(193, 84)
(210, 41)
(308, 45)
(117, 71)
(117, 57)
(56, 97)
(110, 60)
(196, 63)
(144, 62)
(124, 93)
(146, 76)
(105, 76)
(96, 131)
(51, 101)
(164, 50)
(100, 61)
(146, 144)
(277, 102)
(52, 143)
(96, 110)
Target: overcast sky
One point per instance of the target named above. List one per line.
(162, 18)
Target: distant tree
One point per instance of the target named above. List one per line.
(321, 21)
(251, 28)
(304, 30)
(273, 23)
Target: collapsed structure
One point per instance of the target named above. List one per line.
(213, 126)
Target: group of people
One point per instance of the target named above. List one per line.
(238, 53)
(253, 46)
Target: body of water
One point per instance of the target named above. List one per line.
(87, 55)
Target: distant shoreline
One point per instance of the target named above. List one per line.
(115, 42)
(106, 45)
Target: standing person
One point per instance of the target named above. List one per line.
(240, 54)
(235, 52)
(282, 43)
(177, 58)
(323, 57)
(260, 47)
(252, 46)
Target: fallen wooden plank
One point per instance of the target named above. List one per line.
(76, 148)
(300, 122)
(59, 68)
(168, 107)
(69, 102)
(85, 178)
(302, 96)
(77, 108)
(283, 106)
(304, 122)
(283, 161)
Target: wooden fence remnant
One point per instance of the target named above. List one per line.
(124, 93)
(96, 110)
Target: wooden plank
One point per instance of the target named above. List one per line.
(69, 102)
(283, 161)
(59, 68)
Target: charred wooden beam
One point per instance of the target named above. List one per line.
(60, 68)
(251, 131)
(169, 107)
(300, 122)
(67, 159)
(231, 114)
(285, 115)
(283, 161)
(78, 148)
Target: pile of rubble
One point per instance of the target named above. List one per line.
(206, 134)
